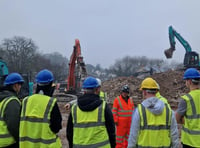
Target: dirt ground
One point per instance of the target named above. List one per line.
(171, 84)
(62, 132)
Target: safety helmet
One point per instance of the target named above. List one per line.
(13, 78)
(44, 77)
(90, 82)
(191, 73)
(149, 83)
(158, 86)
(99, 81)
(125, 88)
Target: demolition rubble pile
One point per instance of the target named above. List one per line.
(171, 84)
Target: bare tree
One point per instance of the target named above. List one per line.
(19, 53)
(59, 65)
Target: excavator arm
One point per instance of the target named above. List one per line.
(191, 58)
(77, 70)
(172, 35)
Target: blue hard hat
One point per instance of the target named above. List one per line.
(191, 73)
(13, 78)
(90, 82)
(44, 77)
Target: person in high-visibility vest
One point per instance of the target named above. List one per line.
(159, 96)
(188, 112)
(122, 109)
(102, 95)
(40, 119)
(10, 106)
(90, 123)
(153, 122)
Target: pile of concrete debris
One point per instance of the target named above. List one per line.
(171, 84)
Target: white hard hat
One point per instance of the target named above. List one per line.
(99, 81)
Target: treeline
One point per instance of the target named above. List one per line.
(133, 66)
(22, 55)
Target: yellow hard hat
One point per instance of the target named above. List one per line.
(149, 83)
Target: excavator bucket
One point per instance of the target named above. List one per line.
(169, 52)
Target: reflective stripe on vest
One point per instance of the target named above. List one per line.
(122, 112)
(89, 128)
(190, 133)
(6, 138)
(155, 128)
(102, 95)
(35, 122)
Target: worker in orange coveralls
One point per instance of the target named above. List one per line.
(123, 107)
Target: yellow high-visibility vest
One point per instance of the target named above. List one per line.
(154, 129)
(6, 138)
(89, 128)
(103, 95)
(190, 133)
(34, 123)
(159, 96)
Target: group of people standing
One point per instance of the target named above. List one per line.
(35, 122)
(152, 123)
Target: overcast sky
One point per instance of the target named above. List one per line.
(107, 29)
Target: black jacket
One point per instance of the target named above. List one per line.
(89, 102)
(12, 115)
(55, 119)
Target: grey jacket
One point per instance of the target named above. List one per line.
(155, 106)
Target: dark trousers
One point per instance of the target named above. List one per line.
(186, 146)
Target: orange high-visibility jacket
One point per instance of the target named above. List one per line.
(122, 111)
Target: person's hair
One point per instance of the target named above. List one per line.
(196, 81)
(8, 87)
(151, 91)
(90, 91)
(47, 89)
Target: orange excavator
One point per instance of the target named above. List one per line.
(77, 70)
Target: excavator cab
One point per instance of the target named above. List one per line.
(191, 60)
(3, 71)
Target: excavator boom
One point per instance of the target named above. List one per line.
(172, 35)
(77, 70)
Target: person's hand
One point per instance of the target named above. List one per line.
(182, 120)
(67, 106)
